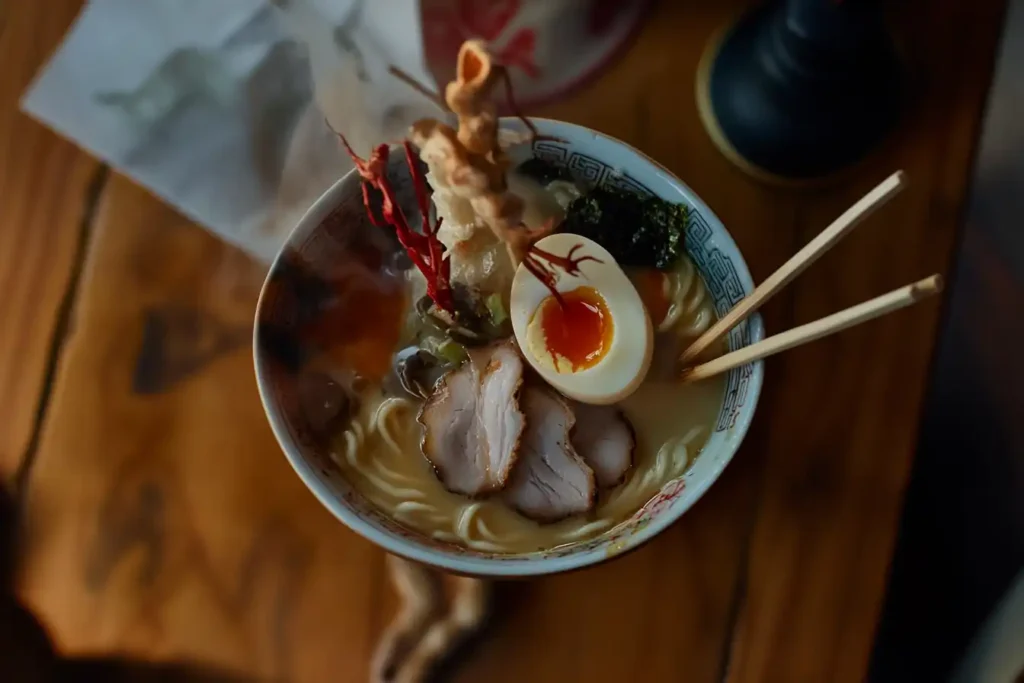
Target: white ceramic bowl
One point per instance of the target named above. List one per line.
(323, 237)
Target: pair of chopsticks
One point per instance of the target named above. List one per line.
(828, 238)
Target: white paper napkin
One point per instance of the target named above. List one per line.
(210, 104)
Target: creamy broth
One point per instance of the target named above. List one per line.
(492, 358)
(380, 452)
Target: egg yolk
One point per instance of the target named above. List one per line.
(578, 330)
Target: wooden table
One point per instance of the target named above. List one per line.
(162, 523)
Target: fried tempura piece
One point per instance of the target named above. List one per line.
(471, 97)
(471, 159)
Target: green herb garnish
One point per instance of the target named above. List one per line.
(452, 351)
(496, 309)
(637, 231)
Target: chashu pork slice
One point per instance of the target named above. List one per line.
(550, 481)
(472, 422)
(605, 440)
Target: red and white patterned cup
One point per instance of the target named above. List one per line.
(550, 46)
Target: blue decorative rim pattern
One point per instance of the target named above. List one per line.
(715, 267)
(321, 236)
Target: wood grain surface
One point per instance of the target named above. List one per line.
(46, 188)
(163, 523)
(162, 520)
(845, 426)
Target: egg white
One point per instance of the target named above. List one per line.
(623, 367)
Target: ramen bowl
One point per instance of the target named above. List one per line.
(336, 227)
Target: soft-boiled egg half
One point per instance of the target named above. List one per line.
(595, 344)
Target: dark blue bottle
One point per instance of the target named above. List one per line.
(799, 89)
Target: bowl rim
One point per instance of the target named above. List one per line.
(409, 547)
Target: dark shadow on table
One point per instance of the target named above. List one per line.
(27, 654)
(961, 542)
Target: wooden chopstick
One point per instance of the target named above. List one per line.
(811, 252)
(894, 300)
